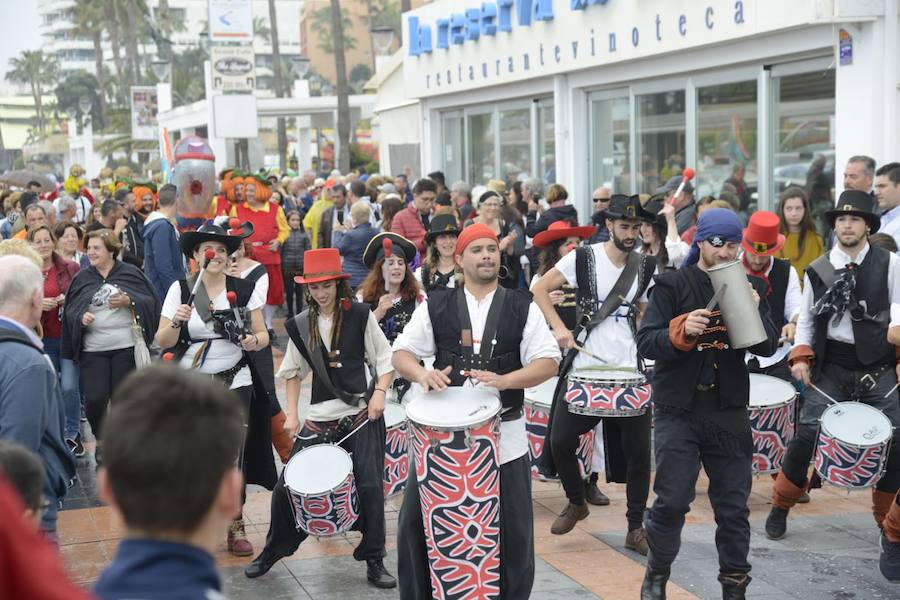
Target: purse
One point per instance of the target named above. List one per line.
(141, 351)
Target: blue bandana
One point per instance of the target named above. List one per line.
(716, 226)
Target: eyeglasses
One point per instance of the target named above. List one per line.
(601, 199)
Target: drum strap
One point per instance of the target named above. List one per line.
(488, 337)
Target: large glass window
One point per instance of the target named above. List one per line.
(726, 143)
(452, 151)
(515, 144)
(481, 148)
(804, 138)
(661, 138)
(546, 144)
(611, 144)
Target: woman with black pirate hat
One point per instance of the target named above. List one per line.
(438, 269)
(212, 333)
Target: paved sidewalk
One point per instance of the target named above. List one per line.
(831, 550)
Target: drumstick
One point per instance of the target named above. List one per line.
(343, 439)
(207, 256)
(583, 351)
(813, 386)
(232, 299)
(893, 389)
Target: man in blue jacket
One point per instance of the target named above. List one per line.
(163, 262)
(31, 407)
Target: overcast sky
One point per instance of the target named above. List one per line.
(18, 30)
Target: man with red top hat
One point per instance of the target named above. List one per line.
(841, 349)
(338, 340)
(270, 231)
(761, 241)
(523, 354)
(611, 282)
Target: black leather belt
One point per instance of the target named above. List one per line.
(511, 415)
(227, 376)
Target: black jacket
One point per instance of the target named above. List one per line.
(566, 212)
(677, 373)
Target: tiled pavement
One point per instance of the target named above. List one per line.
(831, 550)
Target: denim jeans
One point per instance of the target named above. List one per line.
(69, 385)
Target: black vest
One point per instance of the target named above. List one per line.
(445, 322)
(436, 280)
(224, 318)
(779, 277)
(345, 364)
(396, 318)
(872, 347)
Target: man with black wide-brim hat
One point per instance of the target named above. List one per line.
(605, 335)
(847, 298)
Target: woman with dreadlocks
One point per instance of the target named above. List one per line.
(391, 289)
(338, 340)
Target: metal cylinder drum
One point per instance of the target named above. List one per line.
(739, 310)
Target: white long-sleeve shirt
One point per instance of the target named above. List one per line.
(843, 331)
(417, 338)
(793, 298)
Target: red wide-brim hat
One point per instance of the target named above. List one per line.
(323, 264)
(560, 230)
(761, 236)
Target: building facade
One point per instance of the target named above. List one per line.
(626, 94)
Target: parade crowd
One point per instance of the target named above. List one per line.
(607, 326)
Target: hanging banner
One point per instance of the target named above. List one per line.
(230, 21)
(144, 110)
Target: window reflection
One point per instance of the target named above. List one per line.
(661, 138)
(610, 145)
(515, 144)
(481, 148)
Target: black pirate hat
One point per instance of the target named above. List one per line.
(626, 207)
(858, 204)
(388, 243)
(440, 225)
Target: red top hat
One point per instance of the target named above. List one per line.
(761, 236)
(320, 265)
(560, 230)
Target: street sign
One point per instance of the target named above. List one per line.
(235, 116)
(233, 68)
(230, 20)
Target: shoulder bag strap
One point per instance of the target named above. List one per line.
(621, 287)
(298, 331)
(824, 269)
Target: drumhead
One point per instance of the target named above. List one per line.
(767, 391)
(601, 376)
(453, 408)
(541, 394)
(394, 414)
(317, 469)
(857, 424)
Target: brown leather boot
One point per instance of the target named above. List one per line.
(891, 523)
(881, 504)
(281, 439)
(238, 544)
(567, 519)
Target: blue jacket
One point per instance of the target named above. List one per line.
(31, 407)
(163, 262)
(351, 246)
(158, 570)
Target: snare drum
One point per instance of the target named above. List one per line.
(853, 445)
(396, 450)
(771, 421)
(607, 393)
(455, 437)
(319, 481)
(538, 401)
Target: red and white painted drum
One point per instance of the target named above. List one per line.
(455, 437)
(396, 449)
(319, 481)
(771, 421)
(853, 445)
(538, 401)
(603, 392)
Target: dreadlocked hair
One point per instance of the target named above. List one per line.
(343, 293)
(549, 256)
(373, 286)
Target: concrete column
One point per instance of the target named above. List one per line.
(304, 140)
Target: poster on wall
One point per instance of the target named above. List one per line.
(144, 109)
(230, 20)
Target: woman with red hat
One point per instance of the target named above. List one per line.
(556, 241)
(346, 335)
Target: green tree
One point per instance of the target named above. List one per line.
(37, 71)
(323, 24)
(380, 13)
(89, 22)
(262, 29)
(76, 86)
(187, 76)
(359, 75)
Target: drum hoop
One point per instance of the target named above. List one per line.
(328, 491)
(450, 428)
(611, 383)
(605, 412)
(773, 406)
(535, 403)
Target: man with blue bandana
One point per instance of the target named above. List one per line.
(701, 389)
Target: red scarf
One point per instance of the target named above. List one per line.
(761, 274)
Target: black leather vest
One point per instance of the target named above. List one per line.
(505, 358)
(870, 334)
(779, 277)
(396, 318)
(346, 364)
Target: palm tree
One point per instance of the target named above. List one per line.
(279, 85)
(261, 29)
(343, 88)
(111, 15)
(322, 23)
(89, 22)
(36, 70)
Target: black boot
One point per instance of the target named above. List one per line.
(776, 523)
(378, 575)
(654, 586)
(734, 587)
(262, 563)
(592, 493)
